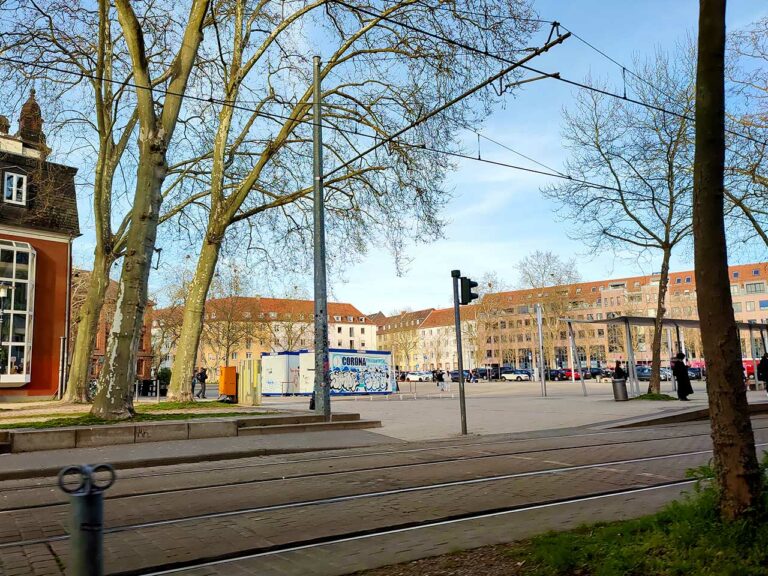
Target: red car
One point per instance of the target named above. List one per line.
(567, 374)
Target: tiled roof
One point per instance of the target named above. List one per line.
(445, 316)
(281, 308)
(410, 320)
(51, 200)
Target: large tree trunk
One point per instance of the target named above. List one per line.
(87, 327)
(180, 388)
(654, 386)
(735, 460)
(114, 400)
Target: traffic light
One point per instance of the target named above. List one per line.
(466, 290)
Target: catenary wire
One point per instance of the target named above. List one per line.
(553, 76)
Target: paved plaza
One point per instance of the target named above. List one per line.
(421, 412)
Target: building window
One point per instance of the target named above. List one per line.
(755, 272)
(763, 304)
(750, 306)
(248, 355)
(678, 280)
(754, 287)
(234, 355)
(362, 330)
(737, 306)
(338, 329)
(339, 343)
(15, 189)
(352, 344)
(17, 277)
(362, 344)
(337, 318)
(735, 274)
(351, 330)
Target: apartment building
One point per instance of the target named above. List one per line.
(437, 340)
(508, 330)
(399, 334)
(242, 328)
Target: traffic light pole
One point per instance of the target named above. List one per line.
(322, 389)
(456, 274)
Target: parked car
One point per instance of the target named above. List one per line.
(606, 373)
(516, 375)
(455, 375)
(568, 374)
(595, 372)
(694, 373)
(555, 374)
(643, 373)
(419, 377)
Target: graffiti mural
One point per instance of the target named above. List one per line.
(352, 373)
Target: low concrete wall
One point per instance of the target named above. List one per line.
(113, 434)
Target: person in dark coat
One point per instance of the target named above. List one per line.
(202, 376)
(680, 371)
(618, 372)
(762, 370)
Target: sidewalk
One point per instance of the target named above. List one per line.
(125, 456)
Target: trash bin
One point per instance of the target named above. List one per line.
(620, 389)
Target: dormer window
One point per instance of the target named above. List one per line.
(15, 189)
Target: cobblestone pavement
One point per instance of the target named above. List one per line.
(198, 512)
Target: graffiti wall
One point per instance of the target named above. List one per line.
(359, 372)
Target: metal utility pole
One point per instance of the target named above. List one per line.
(322, 385)
(456, 274)
(542, 371)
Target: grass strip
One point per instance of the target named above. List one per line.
(88, 420)
(662, 397)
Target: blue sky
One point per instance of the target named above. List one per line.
(497, 215)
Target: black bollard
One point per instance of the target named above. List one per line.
(86, 552)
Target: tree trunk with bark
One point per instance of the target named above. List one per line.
(654, 386)
(114, 401)
(87, 327)
(736, 465)
(180, 388)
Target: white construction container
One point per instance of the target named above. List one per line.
(279, 373)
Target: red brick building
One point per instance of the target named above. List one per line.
(38, 222)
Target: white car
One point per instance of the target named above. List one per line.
(419, 377)
(515, 375)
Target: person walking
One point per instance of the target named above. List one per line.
(618, 371)
(202, 376)
(680, 371)
(762, 371)
(194, 380)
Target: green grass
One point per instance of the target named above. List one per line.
(687, 538)
(181, 406)
(88, 420)
(663, 397)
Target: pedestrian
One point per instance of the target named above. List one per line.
(680, 371)
(194, 380)
(446, 381)
(618, 372)
(762, 371)
(202, 376)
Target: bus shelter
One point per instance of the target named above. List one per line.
(671, 324)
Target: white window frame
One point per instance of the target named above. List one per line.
(16, 178)
(9, 379)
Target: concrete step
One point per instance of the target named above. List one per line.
(310, 427)
(289, 420)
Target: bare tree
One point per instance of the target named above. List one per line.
(157, 122)
(229, 315)
(738, 474)
(631, 170)
(550, 276)
(377, 76)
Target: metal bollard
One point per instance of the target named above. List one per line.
(86, 554)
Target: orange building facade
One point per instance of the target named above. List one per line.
(38, 222)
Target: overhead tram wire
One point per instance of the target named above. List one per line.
(554, 76)
(453, 101)
(551, 173)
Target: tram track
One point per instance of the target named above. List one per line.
(601, 466)
(283, 476)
